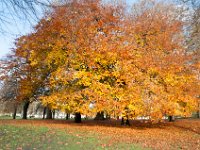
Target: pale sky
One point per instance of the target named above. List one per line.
(14, 29)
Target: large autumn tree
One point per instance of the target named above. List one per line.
(193, 34)
(89, 53)
(169, 85)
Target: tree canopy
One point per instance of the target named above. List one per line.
(89, 53)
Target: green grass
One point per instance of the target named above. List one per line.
(44, 138)
(8, 117)
(5, 117)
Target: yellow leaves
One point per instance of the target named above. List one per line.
(115, 64)
(132, 107)
(177, 80)
(84, 78)
(60, 76)
(116, 74)
(33, 59)
(153, 73)
(79, 74)
(170, 80)
(86, 82)
(56, 57)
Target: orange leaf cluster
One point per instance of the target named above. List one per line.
(88, 57)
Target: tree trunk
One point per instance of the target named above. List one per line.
(25, 109)
(15, 112)
(77, 117)
(53, 113)
(125, 123)
(100, 116)
(122, 121)
(171, 118)
(49, 113)
(107, 116)
(67, 116)
(44, 113)
(198, 114)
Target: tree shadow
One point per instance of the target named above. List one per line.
(191, 128)
(134, 124)
(111, 123)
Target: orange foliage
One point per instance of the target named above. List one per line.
(87, 53)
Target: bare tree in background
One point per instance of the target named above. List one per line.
(10, 69)
(194, 41)
(8, 93)
(193, 35)
(20, 9)
(193, 32)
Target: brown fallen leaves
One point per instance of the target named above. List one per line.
(181, 134)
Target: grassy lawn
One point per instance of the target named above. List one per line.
(42, 138)
(5, 117)
(8, 117)
(92, 135)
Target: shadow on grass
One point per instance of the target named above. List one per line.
(183, 124)
(187, 128)
(135, 124)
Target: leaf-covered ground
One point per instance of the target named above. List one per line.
(58, 134)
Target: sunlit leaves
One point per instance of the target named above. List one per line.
(89, 53)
